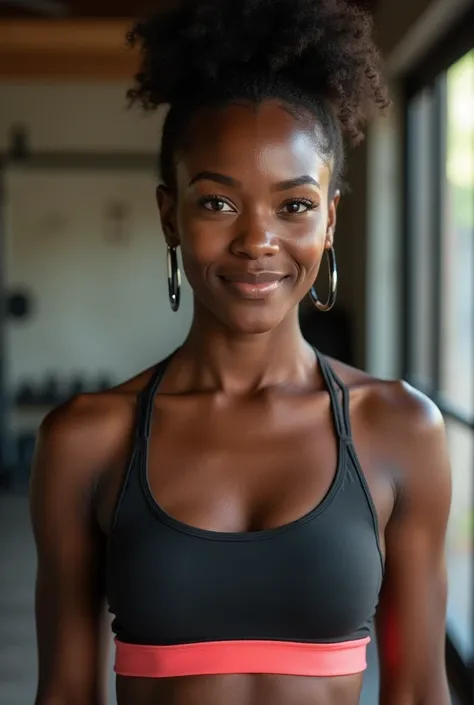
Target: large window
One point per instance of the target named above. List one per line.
(439, 304)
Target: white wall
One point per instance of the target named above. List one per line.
(77, 117)
(99, 306)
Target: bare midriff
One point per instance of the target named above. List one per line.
(237, 689)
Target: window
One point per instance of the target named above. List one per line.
(439, 299)
(457, 243)
(421, 164)
(459, 546)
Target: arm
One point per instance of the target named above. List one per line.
(70, 563)
(411, 616)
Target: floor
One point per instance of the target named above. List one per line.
(17, 636)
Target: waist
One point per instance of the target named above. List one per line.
(241, 656)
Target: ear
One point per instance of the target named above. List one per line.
(331, 228)
(166, 200)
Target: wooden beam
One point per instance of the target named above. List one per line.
(54, 67)
(64, 35)
(62, 49)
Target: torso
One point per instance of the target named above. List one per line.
(246, 465)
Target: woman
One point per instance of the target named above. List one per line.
(246, 508)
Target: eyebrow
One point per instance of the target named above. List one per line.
(215, 176)
(299, 181)
(234, 183)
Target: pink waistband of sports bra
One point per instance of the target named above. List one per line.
(249, 656)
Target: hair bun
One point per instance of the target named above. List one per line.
(324, 46)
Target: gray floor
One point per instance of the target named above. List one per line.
(17, 636)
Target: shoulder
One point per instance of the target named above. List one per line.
(402, 412)
(91, 413)
(393, 407)
(84, 435)
(403, 429)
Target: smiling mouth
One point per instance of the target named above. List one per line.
(257, 285)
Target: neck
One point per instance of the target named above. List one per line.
(222, 360)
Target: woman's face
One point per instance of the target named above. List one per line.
(251, 213)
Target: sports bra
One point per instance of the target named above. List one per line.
(298, 599)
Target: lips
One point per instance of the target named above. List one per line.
(253, 277)
(255, 285)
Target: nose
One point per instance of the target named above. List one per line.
(255, 240)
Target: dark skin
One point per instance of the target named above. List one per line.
(246, 390)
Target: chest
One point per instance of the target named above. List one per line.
(242, 467)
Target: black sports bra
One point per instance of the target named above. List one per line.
(298, 599)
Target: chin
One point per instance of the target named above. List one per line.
(251, 322)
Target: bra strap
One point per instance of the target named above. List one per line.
(335, 387)
(335, 384)
(146, 399)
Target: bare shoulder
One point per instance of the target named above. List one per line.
(401, 426)
(392, 406)
(80, 438)
(89, 415)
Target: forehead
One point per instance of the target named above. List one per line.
(245, 141)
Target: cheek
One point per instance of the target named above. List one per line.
(202, 240)
(306, 244)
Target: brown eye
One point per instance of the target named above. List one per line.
(216, 204)
(298, 206)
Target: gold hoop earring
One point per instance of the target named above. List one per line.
(174, 278)
(331, 257)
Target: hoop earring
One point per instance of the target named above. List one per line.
(174, 278)
(331, 256)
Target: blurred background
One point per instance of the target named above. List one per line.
(81, 253)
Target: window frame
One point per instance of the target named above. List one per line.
(428, 73)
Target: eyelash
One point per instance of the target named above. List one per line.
(310, 205)
(213, 198)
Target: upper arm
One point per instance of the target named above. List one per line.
(70, 563)
(411, 615)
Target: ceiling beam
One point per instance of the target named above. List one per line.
(59, 36)
(69, 68)
(62, 49)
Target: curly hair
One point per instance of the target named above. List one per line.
(315, 56)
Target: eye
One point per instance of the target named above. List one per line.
(216, 204)
(298, 206)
